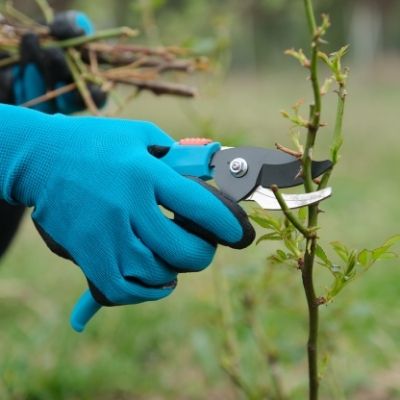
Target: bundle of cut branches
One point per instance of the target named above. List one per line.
(107, 58)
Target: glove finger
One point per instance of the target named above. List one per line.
(70, 24)
(180, 249)
(125, 292)
(116, 279)
(148, 269)
(72, 102)
(128, 274)
(204, 210)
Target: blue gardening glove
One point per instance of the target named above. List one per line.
(96, 191)
(42, 70)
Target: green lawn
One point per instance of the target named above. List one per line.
(172, 349)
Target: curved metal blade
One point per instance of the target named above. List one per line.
(289, 174)
(267, 200)
(265, 167)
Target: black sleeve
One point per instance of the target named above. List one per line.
(6, 92)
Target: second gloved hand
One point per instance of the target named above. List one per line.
(45, 69)
(96, 192)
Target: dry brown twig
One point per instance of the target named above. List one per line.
(287, 150)
(110, 64)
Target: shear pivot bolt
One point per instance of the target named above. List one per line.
(238, 167)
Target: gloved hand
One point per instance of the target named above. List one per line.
(96, 192)
(41, 70)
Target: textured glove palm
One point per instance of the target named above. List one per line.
(96, 191)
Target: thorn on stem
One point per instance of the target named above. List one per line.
(319, 301)
(300, 174)
(317, 181)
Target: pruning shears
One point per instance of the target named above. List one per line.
(243, 173)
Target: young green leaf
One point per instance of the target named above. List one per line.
(392, 241)
(351, 264)
(341, 250)
(365, 258)
(389, 255)
(269, 236)
(291, 245)
(282, 254)
(278, 258)
(266, 220)
(320, 253)
(299, 56)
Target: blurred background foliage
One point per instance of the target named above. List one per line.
(257, 30)
(241, 311)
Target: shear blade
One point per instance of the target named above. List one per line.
(267, 200)
(265, 167)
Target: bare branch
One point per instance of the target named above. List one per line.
(50, 95)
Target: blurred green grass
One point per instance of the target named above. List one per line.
(170, 349)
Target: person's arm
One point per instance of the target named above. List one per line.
(95, 192)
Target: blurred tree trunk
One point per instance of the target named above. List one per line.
(367, 29)
(246, 34)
